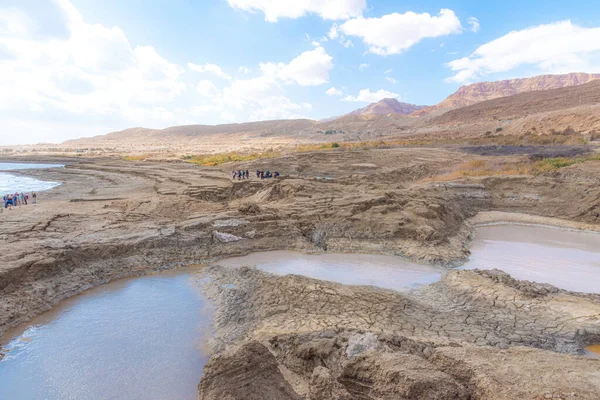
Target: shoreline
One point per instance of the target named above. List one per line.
(491, 218)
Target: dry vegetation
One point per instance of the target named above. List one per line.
(212, 160)
(497, 167)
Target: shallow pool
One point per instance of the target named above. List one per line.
(133, 339)
(564, 258)
(351, 269)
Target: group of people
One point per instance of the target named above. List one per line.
(240, 174)
(17, 199)
(266, 175)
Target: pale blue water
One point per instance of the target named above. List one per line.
(566, 259)
(17, 166)
(134, 339)
(10, 183)
(388, 272)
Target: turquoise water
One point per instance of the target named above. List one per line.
(10, 183)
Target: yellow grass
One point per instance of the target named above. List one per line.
(475, 168)
(364, 145)
(212, 160)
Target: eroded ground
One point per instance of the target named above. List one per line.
(114, 218)
(461, 338)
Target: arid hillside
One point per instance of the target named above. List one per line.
(525, 104)
(482, 91)
(387, 106)
(195, 132)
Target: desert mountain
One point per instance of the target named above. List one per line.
(575, 107)
(386, 107)
(478, 92)
(526, 104)
(193, 133)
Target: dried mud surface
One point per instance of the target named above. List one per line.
(113, 218)
(474, 335)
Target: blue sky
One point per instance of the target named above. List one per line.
(72, 68)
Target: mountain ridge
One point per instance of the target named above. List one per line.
(387, 106)
(482, 91)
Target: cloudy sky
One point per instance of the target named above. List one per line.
(72, 68)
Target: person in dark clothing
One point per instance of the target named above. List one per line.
(262, 175)
(247, 174)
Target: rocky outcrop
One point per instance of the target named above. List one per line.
(248, 372)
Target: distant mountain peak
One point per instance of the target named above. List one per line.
(387, 106)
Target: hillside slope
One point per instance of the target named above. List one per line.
(483, 91)
(194, 133)
(524, 104)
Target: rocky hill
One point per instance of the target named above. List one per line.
(478, 92)
(525, 104)
(386, 107)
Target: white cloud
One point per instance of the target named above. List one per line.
(244, 70)
(207, 89)
(310, 68)
(332, 91)
(210, 68)
(366, 96)
(553, 48)
(13, 22)
(262, 97)
(394, 33)
(347, 43)
(334, 32)
(90, 80)
(315, 43)
(92, 71)
(363, 66)
(388, 71)
(391, 80)
(474, 24)
(326, 9)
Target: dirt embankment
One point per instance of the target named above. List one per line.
(460, 338)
